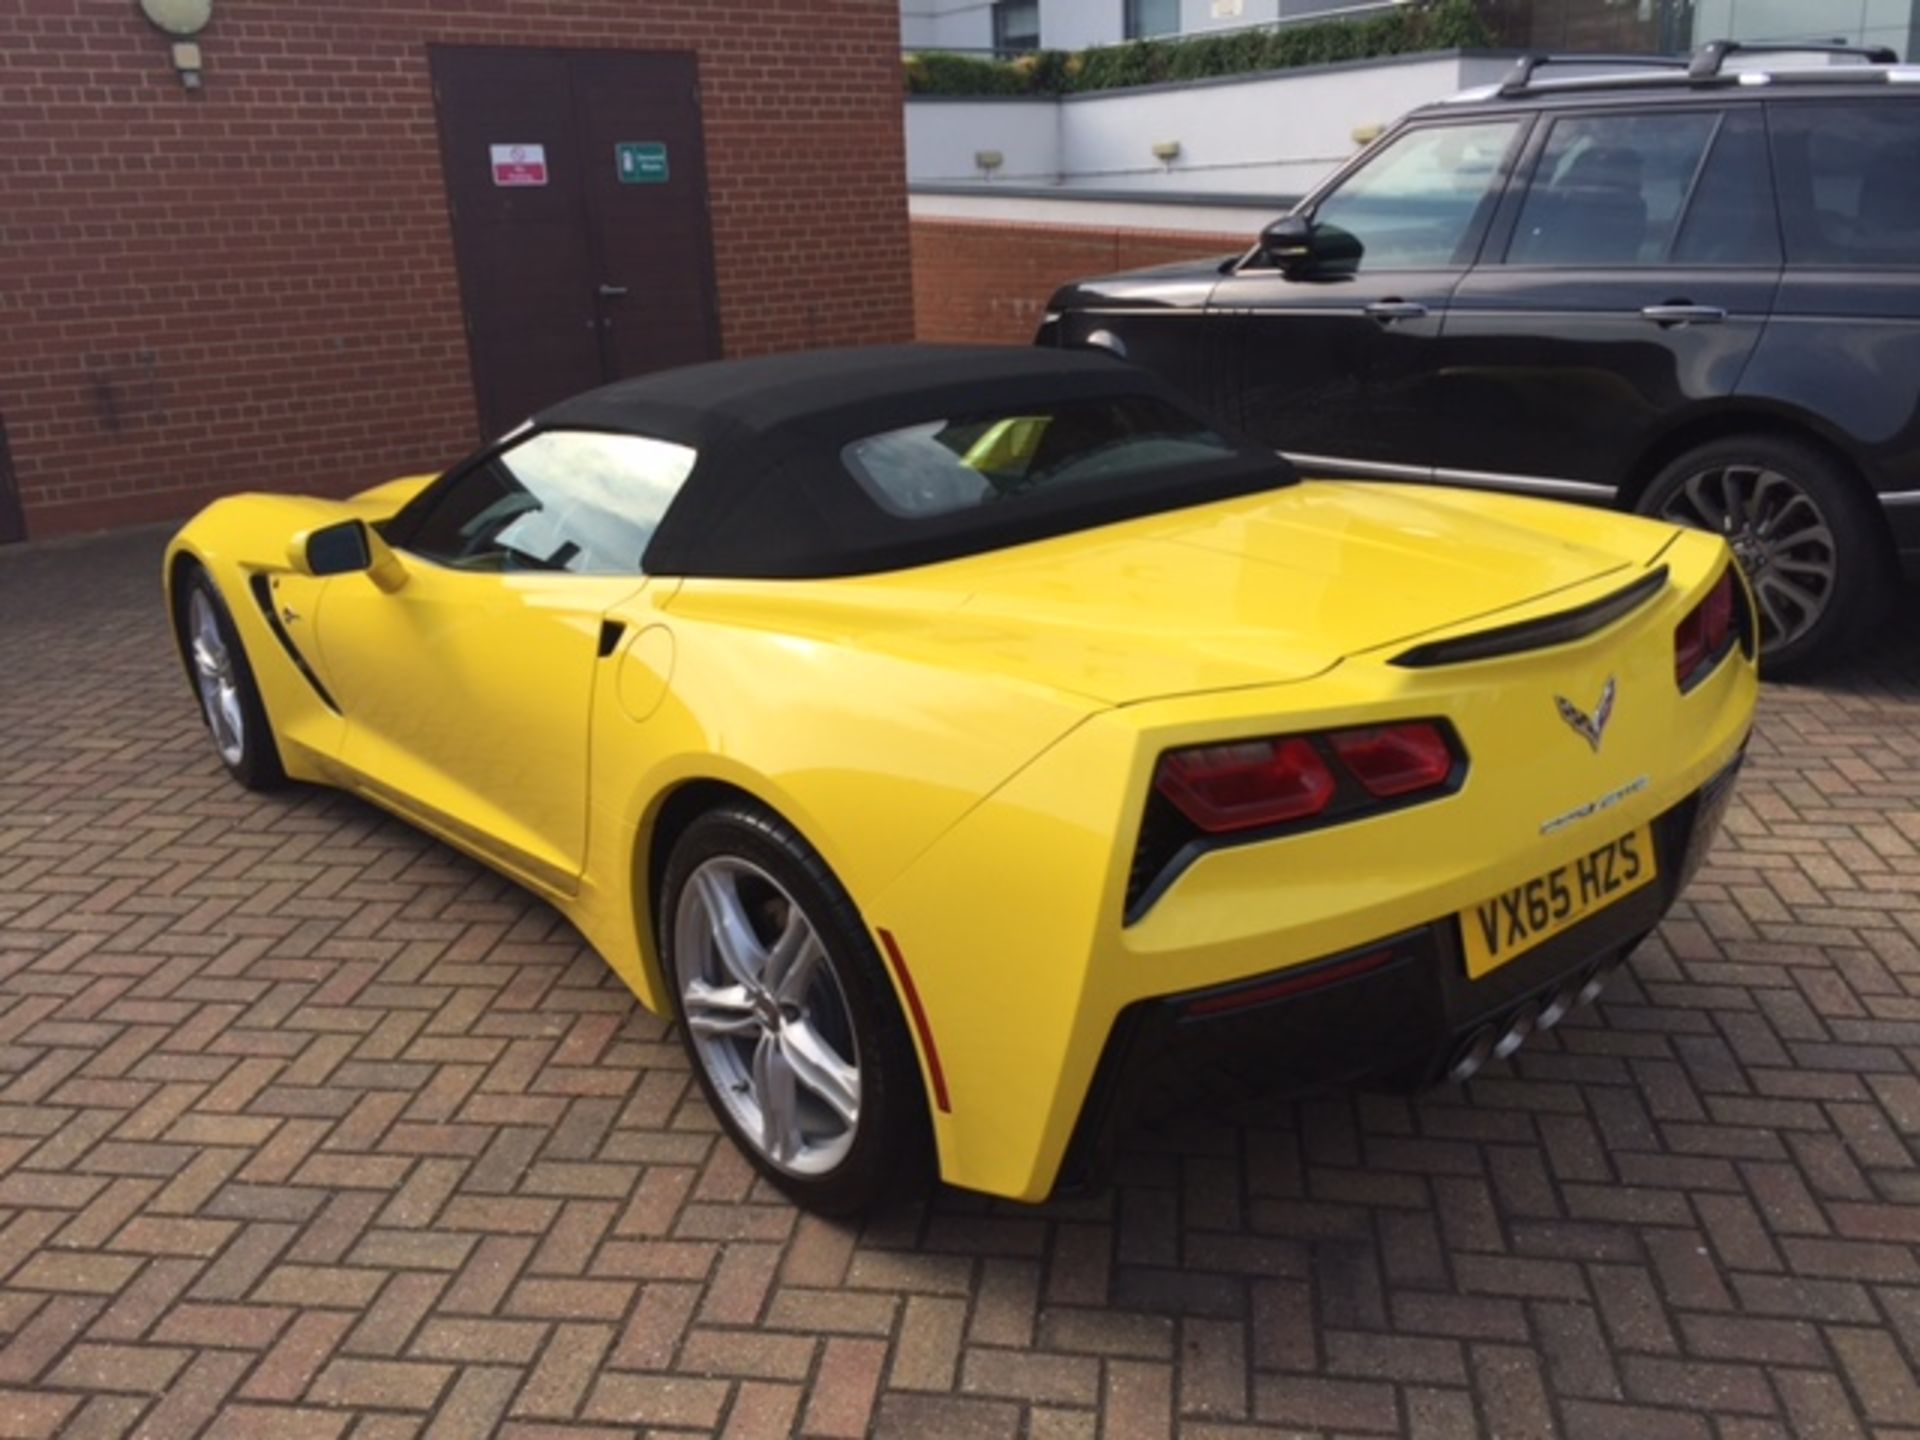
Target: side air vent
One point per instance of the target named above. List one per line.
(262, 589)
(1548, 630)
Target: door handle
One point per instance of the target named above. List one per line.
(1678, 312)
(1391, 310)
(613, 292)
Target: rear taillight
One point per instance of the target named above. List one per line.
(1703, 639)
(1395, 760)
(1236, 787)
(1257, 784)
(1210, 795)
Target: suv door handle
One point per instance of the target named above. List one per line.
(1680, 313)
(613, 292)
(1391, 310)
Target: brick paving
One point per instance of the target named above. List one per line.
(310, 1127)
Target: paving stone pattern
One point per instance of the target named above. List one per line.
(311, 1127)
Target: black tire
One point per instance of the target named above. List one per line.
(1810, 502)
(890, 1146)
(255, 760)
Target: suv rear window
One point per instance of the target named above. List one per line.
(1848, 192)
(949, 465)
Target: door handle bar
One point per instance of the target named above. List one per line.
(613, 292)
(1682, 314)
(1391, 310)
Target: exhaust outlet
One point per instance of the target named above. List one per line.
(1518, 1029)
(1562, 1004)
(1471, 1056)
(1596, 980)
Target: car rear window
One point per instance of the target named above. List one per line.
(964, 462)
(1848, 195)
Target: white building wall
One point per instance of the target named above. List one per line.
(1274, 134)
(1067, 208)
(1271, 134)
(1199, 16)
(944, 136)
(1076, 24)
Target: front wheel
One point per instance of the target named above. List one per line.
(229, 698)
(1802, 531)
(786, 1014)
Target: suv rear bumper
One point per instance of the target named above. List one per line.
(1404, 1021)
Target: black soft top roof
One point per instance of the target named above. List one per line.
(770, 497)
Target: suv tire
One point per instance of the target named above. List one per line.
(1804, 534)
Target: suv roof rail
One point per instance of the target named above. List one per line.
(1708, 59)
(1520, 78)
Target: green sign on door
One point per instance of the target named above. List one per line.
(641, 162)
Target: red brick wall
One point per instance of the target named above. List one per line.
(255, 286)
(976, 282)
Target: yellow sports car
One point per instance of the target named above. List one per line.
(972, 747)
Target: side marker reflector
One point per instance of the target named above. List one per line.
(919, 1015)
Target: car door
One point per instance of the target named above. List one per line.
(1626, 284)
(468, 689)
(1335, 357)
(1844, 344)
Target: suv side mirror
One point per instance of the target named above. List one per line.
(1297, 245)
(346, 548)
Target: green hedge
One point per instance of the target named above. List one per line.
(1445, 25)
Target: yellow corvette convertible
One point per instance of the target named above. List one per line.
(973, 747)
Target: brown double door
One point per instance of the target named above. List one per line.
(578, 189)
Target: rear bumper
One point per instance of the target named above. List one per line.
(1405, 1020)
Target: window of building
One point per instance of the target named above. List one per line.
(576, 500)
(1147, 18)
(1016, 27)
(1847, 191)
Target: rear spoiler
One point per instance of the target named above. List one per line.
(1558, 629)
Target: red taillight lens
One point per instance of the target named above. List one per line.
(1707, 632)
(1235, 787)
(1717, 613)
(1395, 759)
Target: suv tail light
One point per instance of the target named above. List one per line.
(1702, 640)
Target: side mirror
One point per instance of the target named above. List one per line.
(346, 548)
(1288, 241)
(1298, 245)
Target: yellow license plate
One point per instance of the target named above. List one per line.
(1510, 924)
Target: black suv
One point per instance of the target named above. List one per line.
(1687, 289)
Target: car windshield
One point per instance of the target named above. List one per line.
(942, 466)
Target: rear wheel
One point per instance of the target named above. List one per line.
(1803, 533)
(787, 1015)
(229, 699)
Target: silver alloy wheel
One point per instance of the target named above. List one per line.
(766, 1015)
(1777, 532)
(213, 672)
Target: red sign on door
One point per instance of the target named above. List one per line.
(518, 164)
